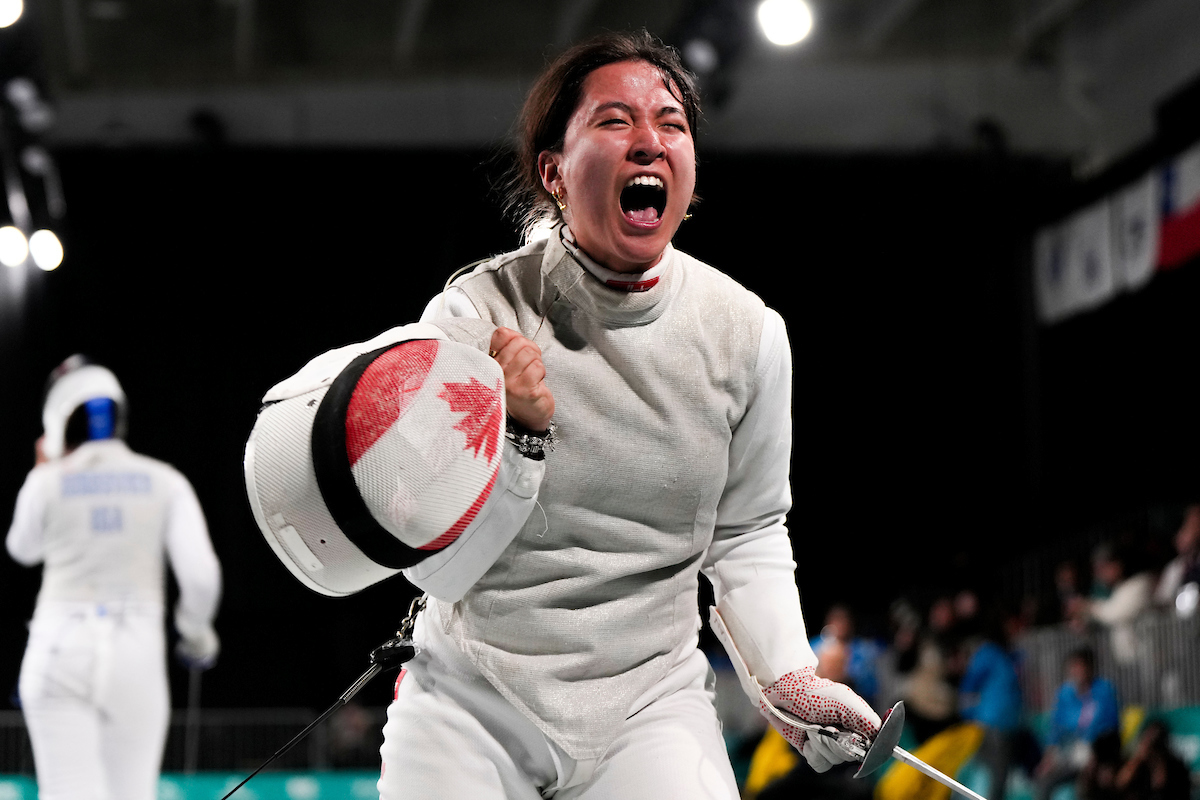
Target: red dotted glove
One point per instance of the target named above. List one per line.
(821, 702)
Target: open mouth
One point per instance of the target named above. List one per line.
(643, 199)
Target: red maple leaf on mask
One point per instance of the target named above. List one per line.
(484, 418)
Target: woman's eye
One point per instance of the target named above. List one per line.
(614, 121)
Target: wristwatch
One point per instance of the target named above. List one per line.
(531, 444)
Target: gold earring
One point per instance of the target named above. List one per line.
(558, 199)
(686, 217)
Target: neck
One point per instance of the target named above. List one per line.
(626, 281)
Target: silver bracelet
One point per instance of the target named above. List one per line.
(530, 444)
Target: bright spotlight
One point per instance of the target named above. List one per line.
(785, 22)
(13, 247)
(10, 12)
(46, 249)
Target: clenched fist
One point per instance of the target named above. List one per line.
(529, 399)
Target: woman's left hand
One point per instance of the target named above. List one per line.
(530, 401)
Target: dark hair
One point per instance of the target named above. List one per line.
(553, 98)
(1085, 656)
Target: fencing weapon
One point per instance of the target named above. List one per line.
(874, 754)
(389, 655)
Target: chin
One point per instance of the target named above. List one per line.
(638, 262)
(645, 251)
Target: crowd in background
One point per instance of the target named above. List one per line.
(956, 662)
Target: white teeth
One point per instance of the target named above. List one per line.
(645, 180)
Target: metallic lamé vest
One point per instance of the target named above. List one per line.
(594, 600)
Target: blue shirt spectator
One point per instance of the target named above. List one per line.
(859, 655)
(1084, 712)
(991, 689)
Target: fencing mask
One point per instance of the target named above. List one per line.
(375, 456)
(75, 383)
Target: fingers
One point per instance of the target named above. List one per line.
(821, 753)
(501, 338)
(529, 400)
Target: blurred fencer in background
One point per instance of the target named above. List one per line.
(100, 518)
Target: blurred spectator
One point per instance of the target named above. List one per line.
(990, 695)
(845, 657)
(967, 621)
(1131, 593)
(930, 700)
(1184, 569)
(900, 655)
(1154, 771)
(1098, 780)
(1085, 709)
(1068, 588)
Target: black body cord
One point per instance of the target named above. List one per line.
(389, 655)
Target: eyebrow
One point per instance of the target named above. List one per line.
(617, 104)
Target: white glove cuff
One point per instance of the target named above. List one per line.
(766, 627)
(191, 628)
(202, 649)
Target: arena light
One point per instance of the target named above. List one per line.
(46, 250)
(785, 22)
(14, 249)
(10, 12)
(701, 56)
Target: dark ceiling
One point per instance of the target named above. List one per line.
(1075, 78)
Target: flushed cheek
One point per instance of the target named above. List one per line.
(685, 181)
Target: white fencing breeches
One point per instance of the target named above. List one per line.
(451, 735)
(95, 698)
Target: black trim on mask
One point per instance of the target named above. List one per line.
(331, 463)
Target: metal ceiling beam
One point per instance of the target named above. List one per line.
(889, 15)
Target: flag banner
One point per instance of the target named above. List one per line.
(1135, 226)
(1179, 235)
(1073, 263)
(1049, 272)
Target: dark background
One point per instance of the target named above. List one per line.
(941, 434)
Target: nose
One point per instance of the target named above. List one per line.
(646, 147)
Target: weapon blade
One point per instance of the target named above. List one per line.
(900, 754)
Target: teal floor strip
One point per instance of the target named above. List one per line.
(213, 786)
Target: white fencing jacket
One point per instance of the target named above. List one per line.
(577, 589)
(100, 519)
